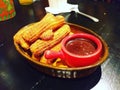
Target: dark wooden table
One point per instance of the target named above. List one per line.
(17, 74)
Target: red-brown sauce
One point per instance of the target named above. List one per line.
(80, 46)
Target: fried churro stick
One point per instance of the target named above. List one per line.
(18, 39)
(39, 46)
(47, 35)
(48, 22)
(18, 35)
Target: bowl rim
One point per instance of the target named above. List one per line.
(84, 36)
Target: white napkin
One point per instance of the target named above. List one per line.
(62, 9)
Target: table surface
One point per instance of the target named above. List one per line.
(17, 74)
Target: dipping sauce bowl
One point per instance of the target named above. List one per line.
(78, 50)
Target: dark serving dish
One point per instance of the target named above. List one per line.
(67, 72)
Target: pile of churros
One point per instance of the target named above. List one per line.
(42, 35)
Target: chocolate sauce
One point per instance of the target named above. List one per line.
(81, 46)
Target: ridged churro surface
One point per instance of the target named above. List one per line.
(42, 35)
(38, 47)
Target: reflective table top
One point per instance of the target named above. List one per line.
(17, 74)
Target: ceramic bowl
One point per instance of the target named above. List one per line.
(67, 72)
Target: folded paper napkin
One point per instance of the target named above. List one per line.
(64, 8)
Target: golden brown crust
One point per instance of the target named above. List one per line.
(42, 35)
(39, 46)
(48, 22)
(47, 35)
(19, 40)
